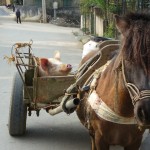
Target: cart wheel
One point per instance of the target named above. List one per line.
(18, 110)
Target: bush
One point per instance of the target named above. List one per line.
(109, 31)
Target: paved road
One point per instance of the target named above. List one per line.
(60, 132)
(4, 11)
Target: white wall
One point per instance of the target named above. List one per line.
(81, 22)
(99, 26)
(7, 2)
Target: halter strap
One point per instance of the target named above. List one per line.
(134, 92)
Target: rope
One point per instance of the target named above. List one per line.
(104, 112)
(116, 91)
(134, 92)
(101, 109)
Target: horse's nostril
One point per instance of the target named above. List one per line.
(143, 115)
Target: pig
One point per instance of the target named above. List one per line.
(53, 66)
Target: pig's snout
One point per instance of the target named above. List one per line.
(69, 66)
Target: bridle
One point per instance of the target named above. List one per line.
(134, 92)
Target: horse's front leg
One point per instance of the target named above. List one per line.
(98, 142)
(92, 142)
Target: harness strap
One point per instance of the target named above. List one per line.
(100, 108)
(134, 92)
(104, 112)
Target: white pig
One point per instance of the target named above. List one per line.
(53, 66)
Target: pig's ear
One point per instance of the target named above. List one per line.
(44, 63)
(57, 55)
(122, 23)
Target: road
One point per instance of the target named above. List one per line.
(60, 132)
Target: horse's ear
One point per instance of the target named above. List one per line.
(122, 24)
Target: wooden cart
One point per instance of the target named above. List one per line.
(33, 93)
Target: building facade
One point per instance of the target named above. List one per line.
(4, 2)
(43, 10)
(32, 3)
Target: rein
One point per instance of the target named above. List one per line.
(134, 92)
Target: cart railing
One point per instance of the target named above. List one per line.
(25, 61)
(24, 58)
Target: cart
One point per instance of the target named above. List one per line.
(33, 93)
(55, 94)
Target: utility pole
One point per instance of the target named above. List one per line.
(44, 11)
(55, 6)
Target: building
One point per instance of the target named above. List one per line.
(65, 8)
(32, 3)
(4, 2)
(49, 3)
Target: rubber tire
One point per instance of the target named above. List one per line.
(18, 110)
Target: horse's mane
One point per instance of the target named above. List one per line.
(136, 46)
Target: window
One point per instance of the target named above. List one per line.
(67, 3)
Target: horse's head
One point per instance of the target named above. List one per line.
(135, 55)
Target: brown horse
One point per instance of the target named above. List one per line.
(119, 103)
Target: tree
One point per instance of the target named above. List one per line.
(109, 7)
(85, 5)
(18, 2)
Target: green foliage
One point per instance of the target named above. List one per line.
(109, 7)
(85, 30)
(11, 1)
(18, 2)
(85, 5)
(101, 4)
(115, 9)
(109, 33)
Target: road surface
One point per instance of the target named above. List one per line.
(60, 132)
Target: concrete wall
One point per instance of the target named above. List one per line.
(30, 11)
(28, 2)
(2, 2)
(85, 22)
(99, 26)
(7, 2)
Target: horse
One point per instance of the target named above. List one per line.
(116, 110)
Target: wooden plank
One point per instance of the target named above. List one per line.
(49, 89)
